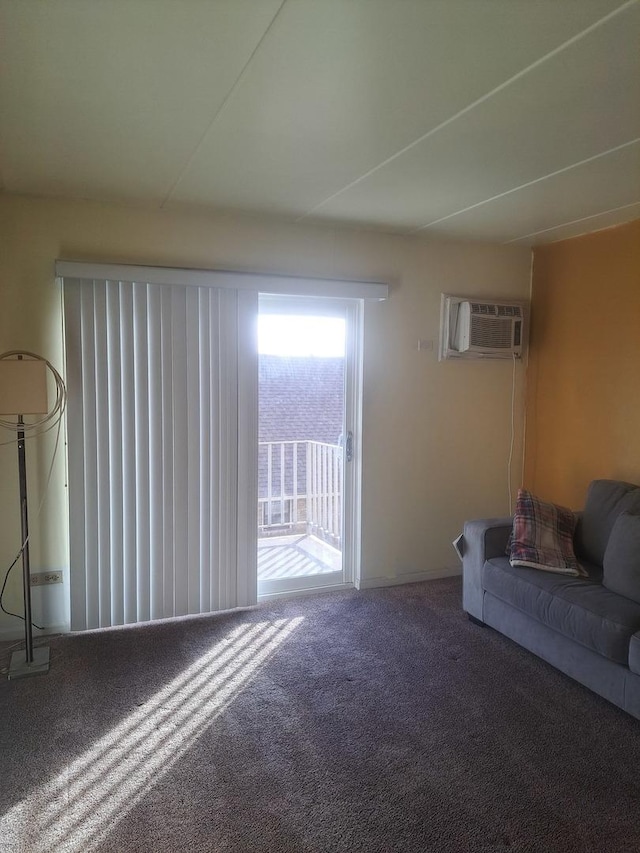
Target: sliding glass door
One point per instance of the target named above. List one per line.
(306, 440)
(171, 486)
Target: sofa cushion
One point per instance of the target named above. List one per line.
(634, 654)
(579, 608)
(606, 499)
(621, 567)
(543, 536)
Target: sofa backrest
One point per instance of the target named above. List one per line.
(606, 499)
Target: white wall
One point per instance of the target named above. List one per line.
(435, 435)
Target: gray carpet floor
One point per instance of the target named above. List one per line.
(374, 721)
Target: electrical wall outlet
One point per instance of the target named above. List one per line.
(42, 578)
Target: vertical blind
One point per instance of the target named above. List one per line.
(162, 430)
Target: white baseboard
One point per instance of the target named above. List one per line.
(17, 633)
(410, 577)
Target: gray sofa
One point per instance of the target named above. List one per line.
(583, 626)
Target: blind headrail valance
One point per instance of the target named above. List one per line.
(257, 282)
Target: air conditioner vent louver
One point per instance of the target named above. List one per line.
(509, 310)
(489, 332)
(483, 308)
(491, 310)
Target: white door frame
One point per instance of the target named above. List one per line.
(352, 517)
(352, 311)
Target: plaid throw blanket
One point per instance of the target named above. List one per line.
(542, 536)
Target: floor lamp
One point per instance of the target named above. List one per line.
(23, 391)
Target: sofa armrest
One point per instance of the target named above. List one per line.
(483, 539)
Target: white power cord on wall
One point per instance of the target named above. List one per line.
(513, 432)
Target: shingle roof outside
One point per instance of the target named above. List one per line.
(301, 398)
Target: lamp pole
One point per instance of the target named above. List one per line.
(23, 391)
(31, 661)
(24, 520)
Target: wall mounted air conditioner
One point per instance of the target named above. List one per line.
(479, 328)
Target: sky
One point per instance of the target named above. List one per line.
(280, 334)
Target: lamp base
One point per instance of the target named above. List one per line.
(19, 668)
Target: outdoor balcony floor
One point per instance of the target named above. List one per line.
(296, 556)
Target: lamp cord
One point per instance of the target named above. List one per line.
(24, 544)
(53, 420)
(4, 584)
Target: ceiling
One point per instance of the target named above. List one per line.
(495, 120)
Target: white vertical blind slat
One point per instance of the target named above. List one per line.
(214, 445)
(192, 413)
(92, 603)
(204, 452)
(73, 348)
(114, 414)
(129, 509)
(102, 455)
(157, 448)
(182, 437)
(156, 553)
(246, 564)
(227, 364)
(141, 438)
(167, 455)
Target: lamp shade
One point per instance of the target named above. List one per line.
(23, 387)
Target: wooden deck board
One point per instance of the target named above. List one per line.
(295, 557)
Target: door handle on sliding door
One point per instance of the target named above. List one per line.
(348, 447)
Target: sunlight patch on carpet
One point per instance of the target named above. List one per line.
(75, 811)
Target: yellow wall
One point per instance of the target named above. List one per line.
(436, 435)
(583, 397)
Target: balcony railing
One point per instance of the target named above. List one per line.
(300, 489)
